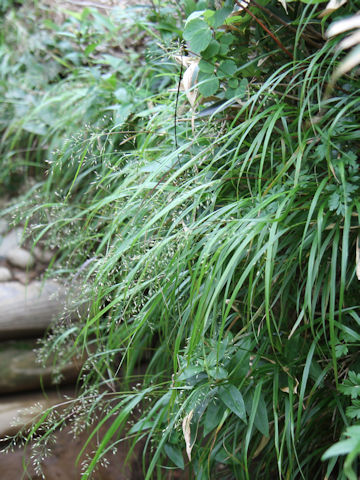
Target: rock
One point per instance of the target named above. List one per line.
(20, 371)
(24, 277)
(11, 240)
(5, 274)
(43, 255)
(4, 226)
(19, 257)
(29, 310)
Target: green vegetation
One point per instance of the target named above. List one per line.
(214, 221)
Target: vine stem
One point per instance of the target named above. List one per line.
(264, 27)
(177, 101)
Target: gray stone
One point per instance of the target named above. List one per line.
(43, 255)
(4, 226)
(19, 257)
(10, 241)
(5, 274)
(23, 276)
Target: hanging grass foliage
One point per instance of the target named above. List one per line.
(220, 215)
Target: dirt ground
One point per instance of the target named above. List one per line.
(61, 465)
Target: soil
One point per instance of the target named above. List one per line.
(61, 464)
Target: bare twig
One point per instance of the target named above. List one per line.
(264, 27)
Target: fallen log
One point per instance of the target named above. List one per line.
(20, 411)
(28, 310)
(20, 370)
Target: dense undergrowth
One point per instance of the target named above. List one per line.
(216, 227)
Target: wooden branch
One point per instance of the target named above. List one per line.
(30, 310)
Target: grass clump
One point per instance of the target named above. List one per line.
(220, 241)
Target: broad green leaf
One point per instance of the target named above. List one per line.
(221, 15)
(218, 373)
(227, 68)
(209, 85)
(341, 448)
(206, 67)
(211, 50)
(227, 39)
(175, 455)
(214, 413)
(197, 32)
(238, 92)
(224, 49)
(242, 87)
(233, 82)
(351, 385)
(354, 410)
(233, 399)
(353, 431)
(50, 24)
(209, 17)
(194, 15)
(341, 350)
(261, 420)
(79, 16)
(189, 372)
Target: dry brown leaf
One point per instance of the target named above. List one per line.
(332, 6)
(262, 60)
(241, 5)
(263, 442)
(351, 61)
(189, 82)
(283, 3)
(295, 389)
(185, 60)
(187, 433)
(344, 25)
(349, 41)
(333, 172)
(357, 258)
(296, 386)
